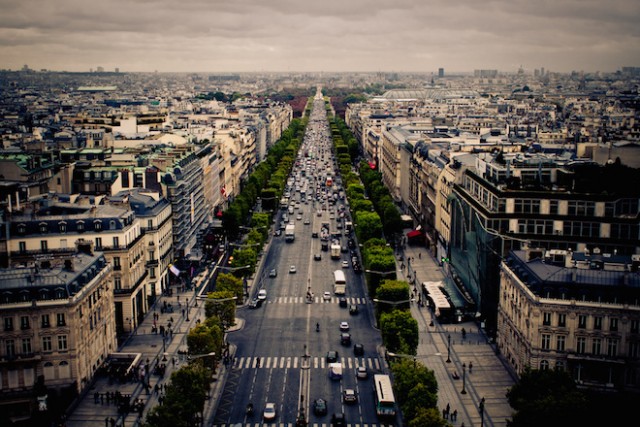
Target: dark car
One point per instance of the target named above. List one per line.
(358, 349)
(345, 338)
(332, 356)
(343, 302)
(349, 395)
(255, 303)
(338, 420)
(320, 407)
(353, 309)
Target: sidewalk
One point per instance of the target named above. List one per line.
(97, 406)
(488, 378)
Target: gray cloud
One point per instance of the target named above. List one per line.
(331, 35)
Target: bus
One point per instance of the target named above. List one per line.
(438, 301)
(385, 402)
(339, 282)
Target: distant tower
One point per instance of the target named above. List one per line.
(117, 70)
(440, 72)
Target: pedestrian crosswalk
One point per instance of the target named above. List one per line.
(316, 299)
(315, 362)
(257, 424)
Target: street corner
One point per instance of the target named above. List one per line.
(237, 325)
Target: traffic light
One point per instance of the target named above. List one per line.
(444, 259)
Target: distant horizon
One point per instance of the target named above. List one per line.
(332, 36)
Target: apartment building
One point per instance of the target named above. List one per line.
(58, 326)
(574, 311)
(61, 224)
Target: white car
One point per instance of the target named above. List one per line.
(345, 264)
(262, 294)
(344, 326)
(307, 221)
(326, 296)
(292, 269)
(269, 413)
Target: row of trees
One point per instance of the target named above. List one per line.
(375, 215)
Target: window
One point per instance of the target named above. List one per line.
(597, 322)
(152, 273)
(80, 226)
(544, 365)
(22, 247)
(26, 346)
(9, 348)
(116, 241)
(98, 242)
(596, 346)
(117, 283)
(46, 344)
(581, 345)
(22, 228)
(612, 347)
(562, 320)
(613, 324)
(62, 342)
(61, 319)
(44, 245)
(116, 263)
(546, 319)
(112, 225)
(635, 326)
(45, 321)
(63, 227)
(97, 226)
(560, 343)
(546, 341)
(149, 223)
(24, 322)
(582, 321)
(8, 323)
(43, 227)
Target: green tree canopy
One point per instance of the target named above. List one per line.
(399, 331)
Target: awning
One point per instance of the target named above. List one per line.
(414, 233)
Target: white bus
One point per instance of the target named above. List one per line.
(385, 402)
(339, 282)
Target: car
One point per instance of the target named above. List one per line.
(277, 233)
(349, 395)
(326, 296)
(345, 264)
(262, 294)
(343, 302)
(358, 349)
(317, 256)
(269, 413)
(273, 273)
(332, 356)
(255, 303)
(320, 407)
(345, 338)
(292, 269)
(299, 217)
(353, 309)
(307, 221)
(362, 373)
(338, 420)
(314, 234)
(344, 326)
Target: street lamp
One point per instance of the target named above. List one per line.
(448, 348)
(393, 303)
(464, 382)
(381, 273)
(404, 356)
(481, 408)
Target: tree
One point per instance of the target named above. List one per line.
(414, 386)
(548, 398)
(393, 290)
(223, 310)
(200, 340)
(399, 331)
(427, 417)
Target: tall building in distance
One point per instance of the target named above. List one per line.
(440, 72)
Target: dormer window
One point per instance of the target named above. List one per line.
(22, 228)
(63, 226)
(43, 227)
(112, 225)
(97, 226)
(80, 226)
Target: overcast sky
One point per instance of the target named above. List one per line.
(320, 35)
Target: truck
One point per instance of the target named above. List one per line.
(339, 283)
(335, 370)
(335, 250)
(290, 233)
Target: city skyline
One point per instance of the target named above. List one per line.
(330, 36)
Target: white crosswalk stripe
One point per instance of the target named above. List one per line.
(317, 362)
(317, 300)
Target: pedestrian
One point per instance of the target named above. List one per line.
(470, 367)
(454, 415)
(258, 362)
(444, 414)
(419, 255)
(448, 409)
(96, 397)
